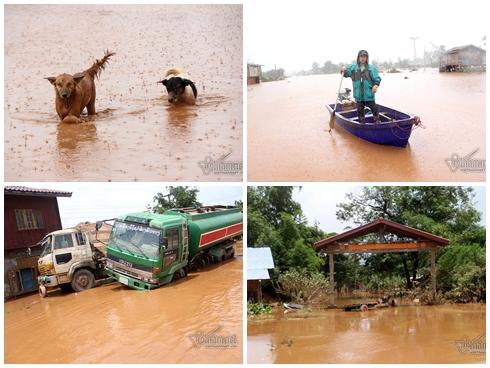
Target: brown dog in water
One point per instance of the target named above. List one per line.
(75, 92)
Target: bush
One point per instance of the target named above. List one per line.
(302, 287)
(390, 283)
(461, 273)
(272, 75)
(254, 309)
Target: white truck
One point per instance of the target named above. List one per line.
(69, 260)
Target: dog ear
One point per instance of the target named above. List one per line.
(164, 82)
(188, 82)
(51, 80)
(78, 77)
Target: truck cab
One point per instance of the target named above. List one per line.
(143, 253)
(147, 250)
(68, 259)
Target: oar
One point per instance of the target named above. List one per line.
(331, 123)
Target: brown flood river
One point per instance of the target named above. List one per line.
(405, 334)
(136, 134)
(288, 141)
(115, 324)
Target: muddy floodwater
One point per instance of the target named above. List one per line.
(405, 334)
(288, 138)
(115, 324)
(136, 134)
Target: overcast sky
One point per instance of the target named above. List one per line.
(99, 201)
(293, 34)
(319, 201)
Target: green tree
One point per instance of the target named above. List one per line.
(272, 75)
(462, 272)
(272, 201)
(239, 204)
(177, 197)
(444, 211)
(275, 220)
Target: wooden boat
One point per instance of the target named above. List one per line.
(293, 306)
(394, 128)
(356, 307)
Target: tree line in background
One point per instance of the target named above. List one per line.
(178, 197)
(277, 221)
(429, 60)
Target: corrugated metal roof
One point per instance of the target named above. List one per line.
(259, 258)
(458, 48)
(261, 274)
(21, 190)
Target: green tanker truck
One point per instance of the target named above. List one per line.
(147, 250)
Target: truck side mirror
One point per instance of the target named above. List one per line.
(98, 225)
(164, 241)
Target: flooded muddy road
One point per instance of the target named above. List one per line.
(115, 324)
(136, 135)
(288, 138)
(405, 334)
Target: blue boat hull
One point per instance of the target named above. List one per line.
(394, 129)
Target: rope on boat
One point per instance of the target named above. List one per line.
(416, 123)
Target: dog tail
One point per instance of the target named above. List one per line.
(99, 65)
(173, 71)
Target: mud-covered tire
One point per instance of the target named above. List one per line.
(82, 280)
(43, 292)
(179, 274)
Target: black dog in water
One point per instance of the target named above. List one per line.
(179, 87)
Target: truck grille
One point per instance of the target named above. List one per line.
(127, 272)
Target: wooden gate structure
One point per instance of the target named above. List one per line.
(408, 239)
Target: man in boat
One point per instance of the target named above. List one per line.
(365, 80)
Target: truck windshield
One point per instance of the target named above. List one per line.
(136, 239)
(46, 246)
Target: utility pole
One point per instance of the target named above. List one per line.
(414, 48)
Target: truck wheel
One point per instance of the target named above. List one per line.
(82, 280)
(42, 291)
(180, 274)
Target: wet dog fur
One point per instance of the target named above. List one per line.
(179, 87)
(75, 92)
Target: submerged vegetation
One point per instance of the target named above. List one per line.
(254, 309)
(275, 220)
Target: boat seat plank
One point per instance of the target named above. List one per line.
(385, 116)
(346, 111)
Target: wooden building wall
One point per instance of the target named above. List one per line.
(15, 238)
(464, 57)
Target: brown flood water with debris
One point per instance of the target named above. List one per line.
(114, 324)
(288, 138)
(405, 334)
(136, 134)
